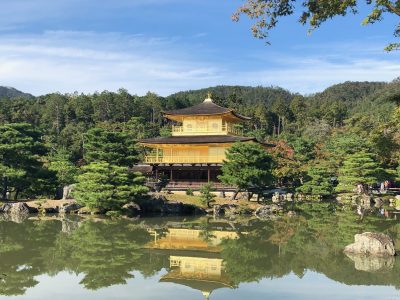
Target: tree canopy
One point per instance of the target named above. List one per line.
(267, 13)
(108, 187)
(358, 168)
(21, 168)
(248, 166)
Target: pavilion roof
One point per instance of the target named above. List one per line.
(197, 139)
(205, 108)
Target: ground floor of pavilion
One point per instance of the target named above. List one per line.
(187, 176)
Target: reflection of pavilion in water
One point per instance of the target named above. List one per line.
(194, 257)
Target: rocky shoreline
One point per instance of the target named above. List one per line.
(157, 204)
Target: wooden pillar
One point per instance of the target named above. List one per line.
(170, 177)
(157, 156)
(156, 173)
(208, 175)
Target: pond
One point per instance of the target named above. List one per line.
(287, 257)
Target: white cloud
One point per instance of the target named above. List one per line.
(86, 62)
(68, 61)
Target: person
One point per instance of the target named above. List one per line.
(360, 188)
(387, 184)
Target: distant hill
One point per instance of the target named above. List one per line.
(350, 91)
(226, 95)
(9, 92)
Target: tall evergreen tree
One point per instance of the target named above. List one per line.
(319, 181)
(107, 187)
(65, 170)
(248, 166)
(114, 147)
(358, 168)
(20, 151)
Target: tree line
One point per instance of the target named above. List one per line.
(54, 140)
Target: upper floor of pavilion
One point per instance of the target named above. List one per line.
(206, 118)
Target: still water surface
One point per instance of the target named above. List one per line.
(196, 258)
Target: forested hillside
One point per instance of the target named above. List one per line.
(311, 132)
(9, 92)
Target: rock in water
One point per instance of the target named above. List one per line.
(369, 243)
(67, 208)
(19, 209)
(132, 209)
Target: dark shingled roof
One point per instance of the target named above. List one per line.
(144, 169)
(197, 139)
(204, 108)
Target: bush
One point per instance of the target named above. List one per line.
(189, 192)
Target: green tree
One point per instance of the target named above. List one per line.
(106, 187)
(268, 12)
(54, 112)
(358, 168)
(286, 170)
(319, 181)
(398, 172)
(248, 167)
(342, 144)
(21, 150)
(114, 147)
(206, 194)
(64, 169)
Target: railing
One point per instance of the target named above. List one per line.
(196, 185)
(154, 159)
(232, 129)
(224, 129)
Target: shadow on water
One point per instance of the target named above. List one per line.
(202, 253)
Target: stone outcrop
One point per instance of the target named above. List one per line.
(16, 212)
(131, 209)
(265, 212)
(369, 243)
(67, 208)
(67, 191)
(18, 208)
(229, 210)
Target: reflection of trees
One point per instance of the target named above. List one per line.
(21, 254)
(106, 252)
(276, 248)
(206, 231)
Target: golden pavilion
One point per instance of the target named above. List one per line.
(194, 154)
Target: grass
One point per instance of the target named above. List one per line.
(195, 200)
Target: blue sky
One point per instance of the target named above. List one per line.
(165, 46)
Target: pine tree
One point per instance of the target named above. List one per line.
(20, 165)
(65, 170)
(116, 148)
(106, 187)
(248, 166)
(206, 194)
(358, 168)
(398, 172)
(319, 181)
